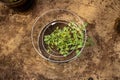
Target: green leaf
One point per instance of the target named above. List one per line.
(79, 46)
(77, 52)
(72, 48)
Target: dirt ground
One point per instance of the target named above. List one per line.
(19, 60)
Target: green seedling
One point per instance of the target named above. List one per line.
(69, 38)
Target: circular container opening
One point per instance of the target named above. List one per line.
(46, 24)
(49, 28)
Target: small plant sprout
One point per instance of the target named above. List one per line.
(69, 38)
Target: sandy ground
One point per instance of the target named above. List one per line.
(19, 60)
